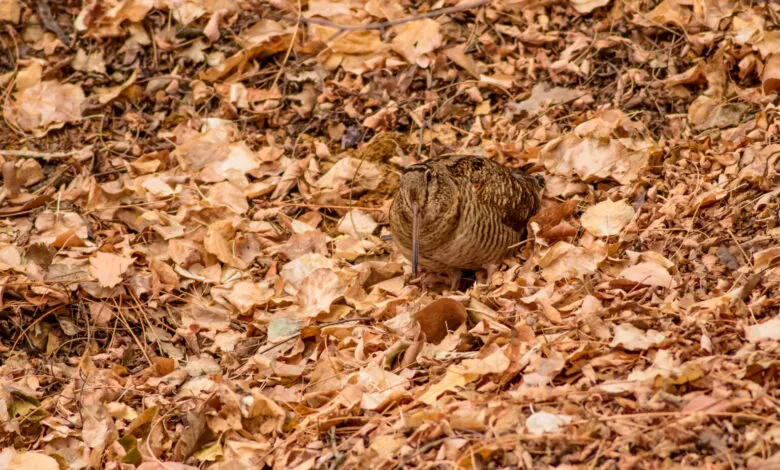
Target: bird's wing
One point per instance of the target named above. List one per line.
(515, 196)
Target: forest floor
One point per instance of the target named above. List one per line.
(195, 268)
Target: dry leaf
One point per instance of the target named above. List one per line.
(10, 459)
(220, 241)
(38, 105)
(607, 218)
(632, 338)
(587, 6)
(10, 10)
(543, 96)
(358, 224)
(380, 387)
(767, 330)
(416, 39)
(544, 423)
(440, 317)
(770, 77)
(649, 274)
(590, 154)
(318, 291)
(108, 268)
(564, 260)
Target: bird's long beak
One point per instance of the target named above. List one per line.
(415, 237)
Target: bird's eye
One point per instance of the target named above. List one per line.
(428, 176)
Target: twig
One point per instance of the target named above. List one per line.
(327, 206)
(29, 327)
(298, 333)
(44, 155)
(381, 25)
(290, 48)
(48, 21)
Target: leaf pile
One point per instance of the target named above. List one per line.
(197, 273)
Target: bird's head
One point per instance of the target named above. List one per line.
(426, 188)
(428, 196)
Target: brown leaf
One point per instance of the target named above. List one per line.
(14, 460)
(649, 274)
(632, 338)
(548, 218)
(440, 317)
(220, 241)
(592, 155)
(318, 291)
(770, 77)
(108, 268)
(10, 10)
(566, 260)
(417, 39)
(607, 218)
(38, 106)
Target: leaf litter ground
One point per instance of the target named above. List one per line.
(196, 270)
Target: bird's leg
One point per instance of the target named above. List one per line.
(490, 269)
(455, 277)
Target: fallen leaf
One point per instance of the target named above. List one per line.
(10, 459)
(380, 387)
(39, 106)
(361, 174)
(543, 96)
(246, 295)
(318, 291)
(587, 6)
(633, 339)
(10, 10)
(767, 330)
(566, 260)
(440, 317)
(649, 274)
(300, 268)
(416, 39)
(765, 258)
(227, 195)
(546, 423)
(770, 77)
(607, 218)
(592, 155)
(108, 268)
(220, 241)
(357, 223)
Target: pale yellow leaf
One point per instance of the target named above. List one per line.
(607, 218)
(108, 268)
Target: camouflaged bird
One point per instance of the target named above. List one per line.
(461, 212)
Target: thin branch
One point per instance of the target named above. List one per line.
(381, 25)
(50, 23)
(298, 333)
(32, 154)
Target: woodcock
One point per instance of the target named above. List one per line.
(461, 212)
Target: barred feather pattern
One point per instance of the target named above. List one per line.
(473, 211)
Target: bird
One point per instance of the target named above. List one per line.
(461, 212)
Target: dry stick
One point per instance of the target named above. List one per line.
(381, 25)
(290, 48)
(298, 333)
(32, 154)
(6, 93)
(327, 206)
(37, 320)
(48, 21)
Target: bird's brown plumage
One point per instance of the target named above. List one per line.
(472, 211)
